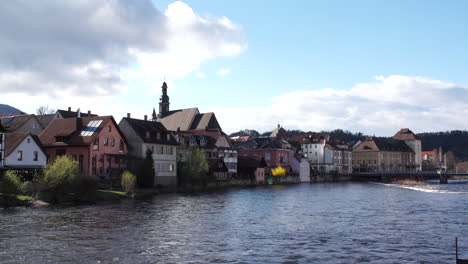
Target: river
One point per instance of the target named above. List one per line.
(307, 223)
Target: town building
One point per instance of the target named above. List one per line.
(427, 155)
(276, 152)
(145, 135)
(216, 146)
(95, 142)
(23, 151)
(2, 145)
(72, 114)
(253, 168)
(190, 122)
(383, 154)
(413, 142)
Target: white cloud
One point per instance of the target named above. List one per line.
(381, 107)
(223, 72)
(96, 48)
(200, 75)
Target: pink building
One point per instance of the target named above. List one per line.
(95, 142)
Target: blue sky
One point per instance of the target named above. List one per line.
(305, 63)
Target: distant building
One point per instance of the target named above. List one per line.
(253, 168)
(72, 114)
(23, 123)
(95, 142)
(276, 152)
(383, 154)
(427, 155)
(144, 135)
(413, 142)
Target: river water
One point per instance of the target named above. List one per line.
(307, 223)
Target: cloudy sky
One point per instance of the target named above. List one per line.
(365, 66)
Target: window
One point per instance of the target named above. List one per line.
(106, 142)
(96, 144)
(159, 150)
(112, 142)
(171, 167)
(28, 140)
(60, 152)
(268, 156)
(121, 145)
(20, 155)
(168, 137)
(158, 135)
(169, 150)
(80, 162)
(109, 129)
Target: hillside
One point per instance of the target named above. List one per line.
(9, 110)
(455, 141)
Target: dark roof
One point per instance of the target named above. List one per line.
(147, 130)
(390, 144)
(405, 134)
(210, 142)
(45, 120)
(12, 123)
(205, 121)
(72, 114)
(251, 162)
(70, 129)
(12, 140)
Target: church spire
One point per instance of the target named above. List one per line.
(155, 117)
(163, 102)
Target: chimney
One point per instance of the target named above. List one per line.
(69, 109)
(146, 118)
(79, 123)
(78, 113)
(128, 115)
(89, 112)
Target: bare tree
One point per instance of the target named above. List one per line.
(44, 110)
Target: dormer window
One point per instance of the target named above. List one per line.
(148, 135)
(202, 141)
(158, 135)
(168, 137)
(192, 141)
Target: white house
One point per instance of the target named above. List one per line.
(23, 150)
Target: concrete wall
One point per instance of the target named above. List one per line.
(28, 147)
(304, 173)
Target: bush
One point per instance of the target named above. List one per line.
(128, 182)
(86, 189)
(61, 176)
(11, 184)
(278, 171)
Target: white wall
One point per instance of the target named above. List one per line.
(28, 146)
(304, 173)
(311, 149)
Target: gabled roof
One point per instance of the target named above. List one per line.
(72, 114)
(405, 134)
(13, 140)
(144, 128)
(12, 123)
(71, 128)
(205, 121)
(179, 119)
(45, 120)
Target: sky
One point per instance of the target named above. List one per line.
(364, 66)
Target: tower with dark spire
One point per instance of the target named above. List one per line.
(154, 116)
(163, 102)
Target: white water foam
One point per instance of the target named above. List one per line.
(426, 188)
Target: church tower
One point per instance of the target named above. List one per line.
(163, 102)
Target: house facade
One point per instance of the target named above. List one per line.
(95, 142)
(383, 154)
(253, 168)
(275, 151)
(23, 151)
(145, 135)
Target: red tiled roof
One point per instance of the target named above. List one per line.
(427, 153)
(70, 128)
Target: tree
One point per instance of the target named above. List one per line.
(44, 110)
(61, 176)
(11, 185)
(194, 167)
(128, 182)
(147, 174)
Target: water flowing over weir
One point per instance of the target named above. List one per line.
(308, 223)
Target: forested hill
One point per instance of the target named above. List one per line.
(455, 141)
